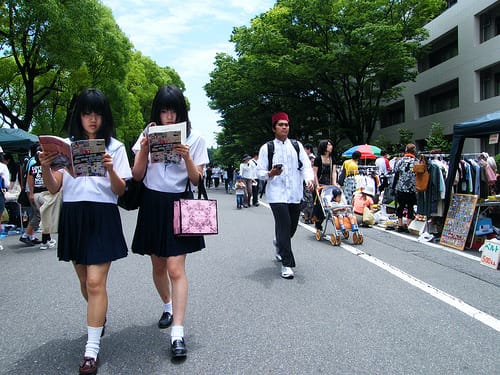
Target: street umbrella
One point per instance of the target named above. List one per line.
(367, 151)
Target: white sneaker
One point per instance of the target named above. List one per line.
(277, 255)
(286, 272)
(48, 245)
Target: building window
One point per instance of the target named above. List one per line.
(489, 24)
(393, 114)
(438, 99)
(439, 50)
(490, 82)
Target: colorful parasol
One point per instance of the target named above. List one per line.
(367, 151)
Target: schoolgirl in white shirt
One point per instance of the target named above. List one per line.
(90, 228)
(165, 183)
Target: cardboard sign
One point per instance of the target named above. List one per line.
(490, 253)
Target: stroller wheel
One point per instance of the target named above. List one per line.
(333, 239)
(338, 239)
(355, 236)
(346, 234)
(318, 235)
(360, 239)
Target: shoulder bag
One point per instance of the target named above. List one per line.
(422, 175)
(195, 217)
(132, 198)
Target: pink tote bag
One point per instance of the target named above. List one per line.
(196, 217)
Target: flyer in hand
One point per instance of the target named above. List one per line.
(81, 158)
(162, 139)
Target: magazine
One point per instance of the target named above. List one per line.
(162, 139)
(81, 158)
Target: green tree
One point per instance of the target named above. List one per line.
(437, 139)
(52, 49)
(405, 137)
(329, 63)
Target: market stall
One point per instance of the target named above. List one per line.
(477, 128)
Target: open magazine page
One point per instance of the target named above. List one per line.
(162, 139)
(81, 158)
(87, 157)
(52, 143)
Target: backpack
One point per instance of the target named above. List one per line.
(270, 153)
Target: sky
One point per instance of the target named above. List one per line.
(186, 35)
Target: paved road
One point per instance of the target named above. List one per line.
(389, 306)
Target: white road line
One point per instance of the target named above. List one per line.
(422, 285)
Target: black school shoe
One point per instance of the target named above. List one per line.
(165, 320)
(179, 349)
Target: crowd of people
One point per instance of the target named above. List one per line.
(90, 234)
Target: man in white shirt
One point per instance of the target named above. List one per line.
(284, 188)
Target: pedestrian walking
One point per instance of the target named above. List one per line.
(284, 188)
(154, 233)
(90, 228)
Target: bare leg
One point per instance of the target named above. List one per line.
(161, 278)
(177, 272)
(94, 291)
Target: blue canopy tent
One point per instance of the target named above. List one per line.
(477, 128)
(16, 140)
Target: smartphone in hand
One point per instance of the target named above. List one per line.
(278, 166)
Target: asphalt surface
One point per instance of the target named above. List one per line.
(389, 306)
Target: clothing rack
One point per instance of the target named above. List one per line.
(429, 155)
(471, 154)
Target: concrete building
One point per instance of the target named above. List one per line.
(459, 78)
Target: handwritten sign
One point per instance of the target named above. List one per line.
(458, 219)
(490, 253)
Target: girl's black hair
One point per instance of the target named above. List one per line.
(170, 97)
(88, 101)
(323, 145)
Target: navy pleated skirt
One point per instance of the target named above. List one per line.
(154, 233)
(90, 233)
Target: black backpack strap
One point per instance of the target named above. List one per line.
(296, 146)
(270, 153)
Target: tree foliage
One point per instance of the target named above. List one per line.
(436, 139)
(52, 49)
(47, 47)
(329, 63)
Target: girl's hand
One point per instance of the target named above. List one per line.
(107, 162)
(47, 158)
(182, 150)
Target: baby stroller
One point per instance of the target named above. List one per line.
(339, 214)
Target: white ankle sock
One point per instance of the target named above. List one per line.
(93, 341)
(167, 307)
(176, 333)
